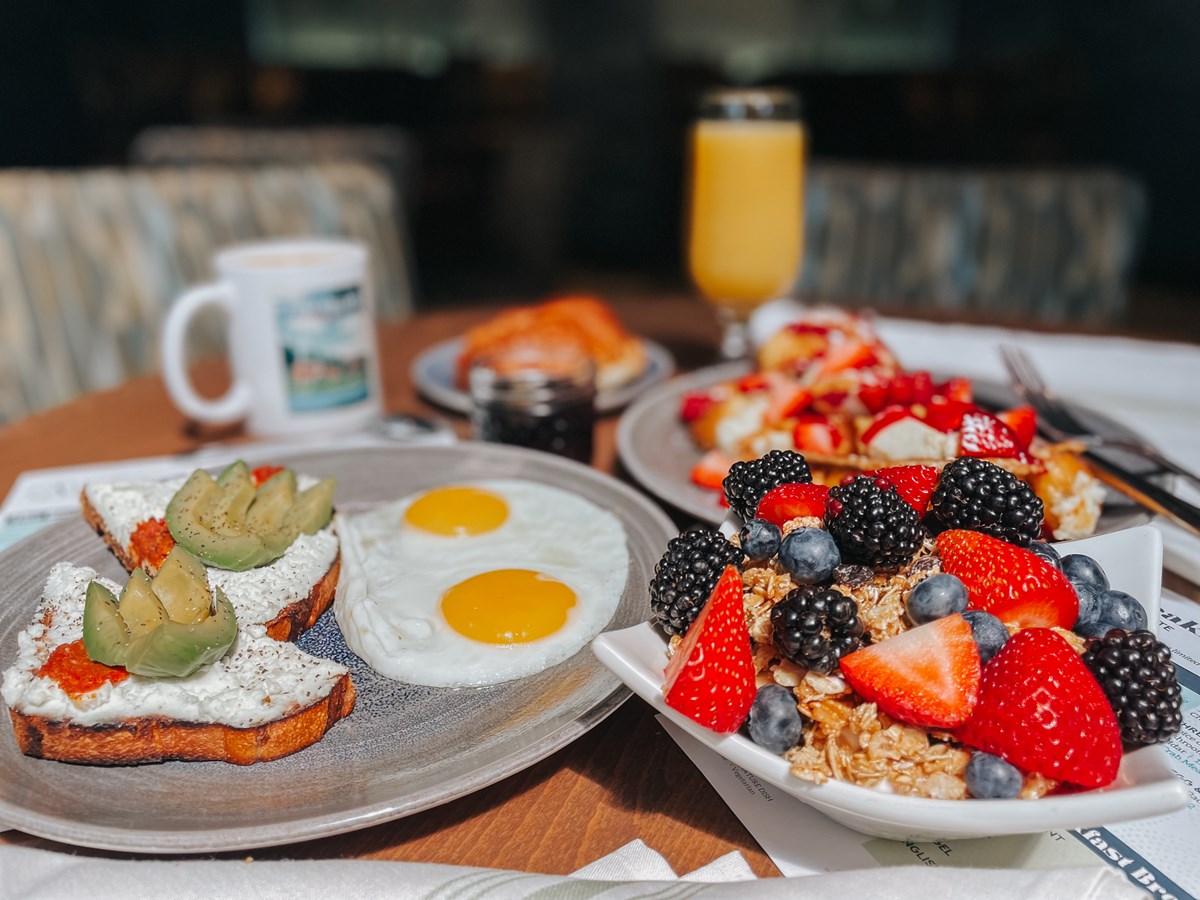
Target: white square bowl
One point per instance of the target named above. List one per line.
(1145, 785)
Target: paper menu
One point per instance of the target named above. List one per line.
(1158, 855)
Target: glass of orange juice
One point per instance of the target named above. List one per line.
(745, 197)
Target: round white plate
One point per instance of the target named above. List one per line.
(403, 749)
(1145, 785)
(433, 373)
(655, 447)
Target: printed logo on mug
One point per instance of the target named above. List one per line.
(301, 328)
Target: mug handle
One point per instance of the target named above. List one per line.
(235, 403)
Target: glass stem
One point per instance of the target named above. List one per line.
(735, 337)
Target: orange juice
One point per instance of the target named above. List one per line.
(746, 229)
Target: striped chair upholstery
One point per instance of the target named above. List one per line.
(90, 260)
(1056, 246)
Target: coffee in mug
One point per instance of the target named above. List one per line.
(301, 337)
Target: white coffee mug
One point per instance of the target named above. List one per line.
(301, 328)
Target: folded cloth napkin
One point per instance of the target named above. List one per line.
(44, 875)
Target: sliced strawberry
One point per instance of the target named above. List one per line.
(958, 389)
(787, 399)
(927, 676)
(710, 679)
(914, 483)
(922, 387)
(946, 415)
(882, 420)
(873, 396)
(1010, 582)
(791, 501)
(985, 435)
(900, 390)
(830, 401)
(1023, 422)
(755, 381)
(711, 470)
(817, 434)
(695, 404)
(852, 354)
(1042, 710)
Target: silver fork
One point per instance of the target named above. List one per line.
(1057, 421)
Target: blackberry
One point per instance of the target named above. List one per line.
(815, 628)
(980, 496)
(872, 525)
(686, 575)
(1135, 670)
(747, 482)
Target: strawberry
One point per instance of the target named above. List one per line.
(852, 354)
(262, 473)
(791, 501)
(1042, 710)
(695, 404)
(985, 435)
(922, 386)
(914, 483)
(711, 470)
(958, 389)
(818, 434)
(755, 381)
(946, 415)
(710, 679)
(1023, 422)
(1012, 583)
(927, 676)
(873, 396)
(787, 399)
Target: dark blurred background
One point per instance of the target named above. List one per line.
(547, 135)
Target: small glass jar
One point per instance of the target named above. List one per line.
(537, 398)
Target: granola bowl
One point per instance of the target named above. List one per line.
(1145, 785)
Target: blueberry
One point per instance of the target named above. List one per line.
(760, 539)
(988, 631)
(774, 722)
(1046, 552)
(1078, 567)
(809, 555)
(1120, 610)
(1089, 604)
(935, 597)
(989, 777)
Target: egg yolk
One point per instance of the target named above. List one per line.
(507, 606)
(457, 511)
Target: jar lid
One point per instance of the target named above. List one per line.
(750, 103)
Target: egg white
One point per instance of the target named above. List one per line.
(394, 575)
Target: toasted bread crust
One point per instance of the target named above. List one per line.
(289, 624)
(155, 739)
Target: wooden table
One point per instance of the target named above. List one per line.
(623, 780)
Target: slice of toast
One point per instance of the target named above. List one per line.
(287, 595)
(264, 700)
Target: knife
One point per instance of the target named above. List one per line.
(1145, 492)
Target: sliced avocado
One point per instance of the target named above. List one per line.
(182, 586)
(105, 637)
(274, 498)
(139, 606)
(225, 512)
(313, 508)
(177, 649)
(236, 552)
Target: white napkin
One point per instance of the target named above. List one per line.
(45, 875)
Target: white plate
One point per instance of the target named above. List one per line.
(433, 373)
(1145, 785)
(656, 448)
(403, 749)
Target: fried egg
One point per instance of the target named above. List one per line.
(478, 583)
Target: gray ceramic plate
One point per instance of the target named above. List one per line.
(433, 373)
(402, 750)
(656, 449)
